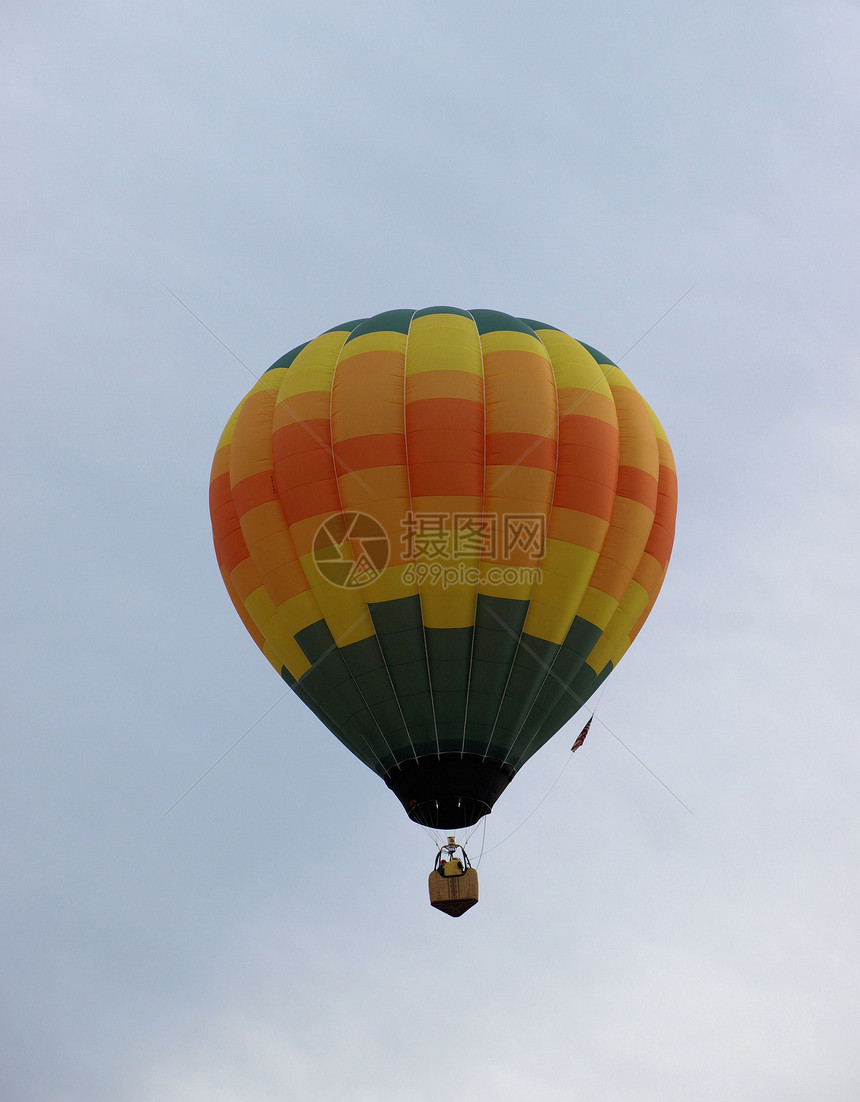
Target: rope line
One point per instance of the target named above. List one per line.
(229, 750)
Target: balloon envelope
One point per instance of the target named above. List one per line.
(443, 528)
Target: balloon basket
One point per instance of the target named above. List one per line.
(453, 883)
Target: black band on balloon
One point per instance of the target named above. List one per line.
(449, 791)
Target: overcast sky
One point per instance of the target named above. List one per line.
(280, 169)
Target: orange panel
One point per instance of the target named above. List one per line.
(432, 414)
(257, 489)
(463, 385)
(360, 453)
(296, 408)
(294, 439)
(637, 485)
(521, 449)
(446, 480)
(310, 500)
(581, 528)
(362, 393)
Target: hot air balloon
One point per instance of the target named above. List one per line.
(443, 528)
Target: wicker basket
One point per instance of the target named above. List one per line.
(453, 894)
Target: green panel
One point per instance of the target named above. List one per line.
(316, 641)
(598, 356)
(531, 668)
(449, 651)
(331, 688)
(494, 321)
(288, 357)
(442, 310)
(539, 325)
(307, 700)
(585, 685)
(392, 321)
(347, 326)
(498, 624)
(366, 664)
(400, 631)
(557, 689)
(364, 708)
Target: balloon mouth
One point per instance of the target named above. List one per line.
(449, 791)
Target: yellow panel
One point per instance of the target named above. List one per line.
(616, 377)
(565, 573)
(447, 577)
(597, 608)
(273, 657)
(238, 604)
(312, 367)
(581, 529)
(305, 391)
(259, 607)
(506, 586)
(269, 381)
(443, 342)
(587, 403)
(282, 642)
(296, 664)
(343, 609)
(660, 433)
(373, 342)
(510, 340)
(613, 643)
(573, 364)
(391, 584)
(227, 435)
(300, 611)
(449, 606)
(631, 608)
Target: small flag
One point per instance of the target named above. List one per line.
(581, 739)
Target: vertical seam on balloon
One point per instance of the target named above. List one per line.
(546, 537)
(537, 441)
(361, 588)
(414, 552)
(550, 673)
(480, 542)
(335, 642)
(274, 392)
(619, 608)
(534, 583)
(550, 669)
